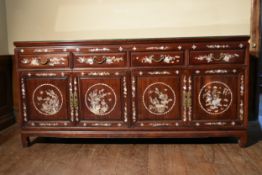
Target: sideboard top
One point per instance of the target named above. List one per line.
(131, 41)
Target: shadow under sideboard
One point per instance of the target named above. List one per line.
(6, 101)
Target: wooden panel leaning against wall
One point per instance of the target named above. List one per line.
(255, 39)
(255, 35)
(6, 108)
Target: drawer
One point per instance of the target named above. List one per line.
(44, 61)
(217, 57)
(100, 60)
(157, 58)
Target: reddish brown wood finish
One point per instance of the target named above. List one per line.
(255, 28)
(100, 60)
(174, 87)
(217, 57)
(44, 61)
(157, 58)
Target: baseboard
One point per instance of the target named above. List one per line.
(6, 120)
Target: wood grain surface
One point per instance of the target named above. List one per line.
(51, 156)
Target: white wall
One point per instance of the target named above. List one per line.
(3, 29)
(104, 19)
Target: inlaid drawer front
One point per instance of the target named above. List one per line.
(44, 61)
(100, 60)
(157, 58)
(217, 57)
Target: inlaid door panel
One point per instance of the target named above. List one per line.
(102, 98)
(46, 99)
(218, 97)
(157, 98)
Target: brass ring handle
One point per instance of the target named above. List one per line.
(43, 61)
(101, 62)
(216, 58)
(158, 60)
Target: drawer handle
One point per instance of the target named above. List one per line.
(105, 59)
(43, 61)
(222, 57)
(102, 61)
(158, 60)
(218, 58)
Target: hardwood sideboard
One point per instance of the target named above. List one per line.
(134, 88)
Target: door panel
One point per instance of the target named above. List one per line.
(218, 97)
(103, 98)
(158, 98)
(46, 102)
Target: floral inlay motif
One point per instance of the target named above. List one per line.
(218, 46)
(159, 98)
(100, 99)
(47, 99)
(105, 59)
(215, 97)
(36, 61)
(211, 57)
(162, 58)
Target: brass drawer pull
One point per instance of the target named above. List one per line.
(222, 57)
(105, 59)
(48, 61)
(163, 58)
(102, 61)
(43, 61)
(158, 60)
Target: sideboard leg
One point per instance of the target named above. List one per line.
(243, 140)
(25, 140)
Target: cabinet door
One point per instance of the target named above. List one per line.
(157, 98)
(102, 98)
(46, 99)
(218, 98)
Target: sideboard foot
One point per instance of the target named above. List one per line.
(243, 140)
(25, 140)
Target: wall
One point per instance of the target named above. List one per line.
(3, 29)
(104, 19)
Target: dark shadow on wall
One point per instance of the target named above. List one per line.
(6, 103)
(253, 89)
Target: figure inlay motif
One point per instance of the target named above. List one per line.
(47, 99)
(100, 99)
(159, 98)
(215, 97)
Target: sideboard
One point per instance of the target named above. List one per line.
(134, 88)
